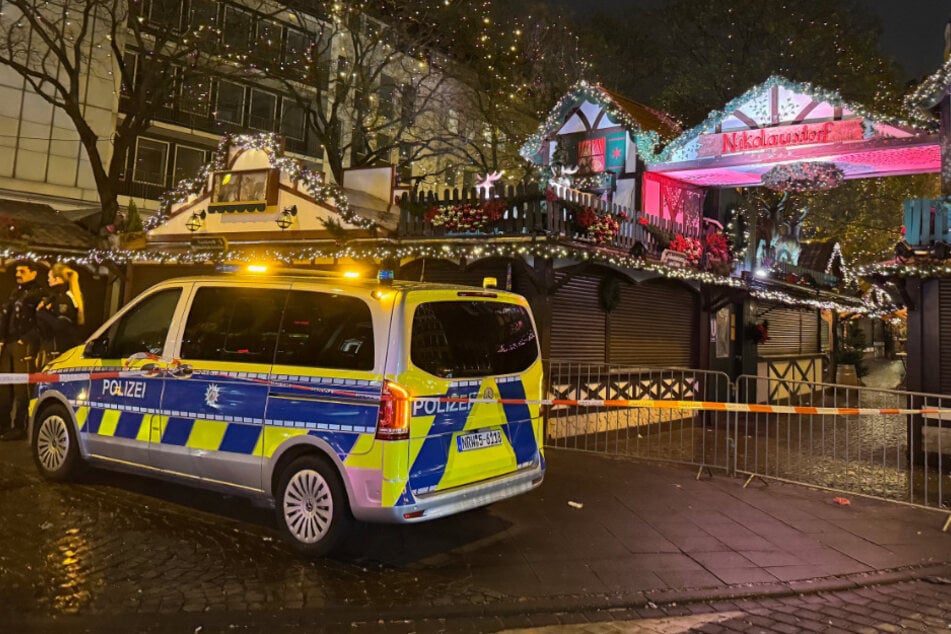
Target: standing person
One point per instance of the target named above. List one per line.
(18, 333)
(60, 314)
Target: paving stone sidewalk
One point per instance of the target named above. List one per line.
(601, 534)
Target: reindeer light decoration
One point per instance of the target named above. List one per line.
(561, 175)
(487, 183)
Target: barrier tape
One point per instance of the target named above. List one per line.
(716, 406)
(21, 378)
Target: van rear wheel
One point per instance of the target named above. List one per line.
(312, 507)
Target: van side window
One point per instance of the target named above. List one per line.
(233, 324)
(144, 327)
(323, 330)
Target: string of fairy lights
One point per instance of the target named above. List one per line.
(754, 106)
(646, 141)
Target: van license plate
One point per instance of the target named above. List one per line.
(479, 440)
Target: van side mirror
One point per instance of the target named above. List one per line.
(97, 348)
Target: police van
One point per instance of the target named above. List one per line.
(333, 399)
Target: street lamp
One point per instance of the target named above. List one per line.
(286, 219)
(196, 222)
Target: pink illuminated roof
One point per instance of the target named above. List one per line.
(785, 122)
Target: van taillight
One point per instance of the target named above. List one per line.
(393, 422)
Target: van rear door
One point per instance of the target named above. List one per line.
(474, 344)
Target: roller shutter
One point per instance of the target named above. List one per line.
(791, 331)
(578, 323)
(655, 325)
(944, 335)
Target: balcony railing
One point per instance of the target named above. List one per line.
(528, 213)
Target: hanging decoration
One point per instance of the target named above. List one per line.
(609, 293)
(803, 177)
(758, 333)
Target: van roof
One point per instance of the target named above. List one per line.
(361, 283)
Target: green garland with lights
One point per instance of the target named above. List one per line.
(271, 145)
(716, 117)
(931, 90)
(646, 141)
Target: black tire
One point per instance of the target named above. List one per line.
(312, 506)
(55, 449)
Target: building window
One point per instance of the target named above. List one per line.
(130, 79)
(405, 172)
(165, 13)
(292, 120)
(151, 160)
(202, 13)
(196, 95)
(591, 156)
(263, 109)
(408, 104)
(237, 30)
(232, 187)
(267, 44)
(387, 97)
(342, 80)
(188, 162)
(296, 50)
(230, 102)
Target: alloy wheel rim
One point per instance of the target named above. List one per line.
(52, 443)
(308, 506)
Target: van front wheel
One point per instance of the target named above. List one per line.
(312, 506)
(55, 451)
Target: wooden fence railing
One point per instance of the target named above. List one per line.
(528, 213)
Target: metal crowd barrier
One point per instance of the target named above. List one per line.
(852, 439)
(681, 435)
(901, 457)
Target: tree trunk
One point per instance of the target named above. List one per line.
(105, 186)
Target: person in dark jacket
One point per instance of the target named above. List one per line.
(19, 335)
(59, 315)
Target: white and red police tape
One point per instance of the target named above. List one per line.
(22, 378)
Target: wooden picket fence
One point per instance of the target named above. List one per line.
(528, 213)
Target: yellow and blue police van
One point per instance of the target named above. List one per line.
(332, 398)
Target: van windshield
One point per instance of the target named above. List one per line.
(472, 338)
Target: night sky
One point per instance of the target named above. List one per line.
(913, 29)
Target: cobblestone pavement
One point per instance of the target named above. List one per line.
(124, 553)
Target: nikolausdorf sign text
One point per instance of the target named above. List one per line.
(780, 137)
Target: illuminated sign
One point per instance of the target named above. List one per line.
(780, 137)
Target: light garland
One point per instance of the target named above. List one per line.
(716, 117)
(646, 141)
(930, 92)
(270, 144)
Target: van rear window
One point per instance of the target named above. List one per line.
(472, 338)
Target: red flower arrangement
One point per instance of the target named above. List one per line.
(602, 228)
(718, 247)
(692, 248)
(468, 216)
